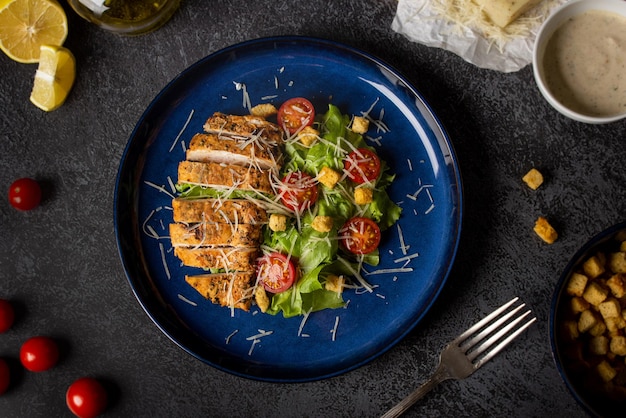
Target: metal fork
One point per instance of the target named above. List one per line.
(470, 350)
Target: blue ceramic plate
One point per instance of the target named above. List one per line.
(417, 254)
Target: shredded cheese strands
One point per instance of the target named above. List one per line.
(465, 14)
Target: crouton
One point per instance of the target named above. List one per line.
(334, 283)
(570, 330)
(545, 231)
(587, 320)
(616, 284)
(610, 308)
(322, 223)
(599, 345)
(595, 293)
(264, 110)
(278, 222)
(578, 304)
(614, 324)
(261, 298)
(605, 371)
(617, 262)
(360, 125)
(618, 345)
(533, 178)
(598, 329)
(363, 195)
(593, 266)
(328, 177)
(308, 136)
(576, 284)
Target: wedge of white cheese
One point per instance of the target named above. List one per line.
(503, 12)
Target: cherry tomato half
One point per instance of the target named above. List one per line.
(362, 165)
(5, 376)
(299, 191)
(25, 194)
(360, 235)
(7, 315)
(276, 272)
(295, 114)
(86, 398)
(39, 354)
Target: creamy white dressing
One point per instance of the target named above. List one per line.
(585, 63)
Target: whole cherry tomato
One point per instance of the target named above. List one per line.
(5, 376)
(25, 194)
(86, 397)
(39, 354)
(7, 315)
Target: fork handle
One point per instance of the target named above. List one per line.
(439, 376)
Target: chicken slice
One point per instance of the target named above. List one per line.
(224, 176)
(225, 289)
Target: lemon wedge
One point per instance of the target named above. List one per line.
(54, 77)
(25, 25)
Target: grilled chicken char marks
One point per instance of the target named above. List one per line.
(207, 234)
(244, 151)
(225, 289)
(231, 211)
(243, 126)
(231, 259)
(223, 176)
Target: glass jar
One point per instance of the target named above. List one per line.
(127, 17)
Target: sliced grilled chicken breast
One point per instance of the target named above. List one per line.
(223, 176)
(230, 259)
(255, 152)
(243, 126)
(225, 289)
(231, 211)
(215, 235)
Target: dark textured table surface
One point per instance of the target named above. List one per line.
(60, 265)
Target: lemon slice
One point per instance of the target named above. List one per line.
(25, 25)
(54, 78)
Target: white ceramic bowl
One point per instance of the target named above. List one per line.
(547, 29)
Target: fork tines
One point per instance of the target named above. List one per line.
(500, 327)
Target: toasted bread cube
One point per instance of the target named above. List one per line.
(322, 223)
(363, 195)
(599, 345)
(593, 267)
(610, 308)
(360, 125)
(261, 298)
(334, 283)
(570, 330)
(617, 262)
(578, 304)
(328, 177)
(264, 110)
(605, 371)
(614, 324)
(618, 345)
(278, 222)
(595, 293)
(545, 231)
(587, 320)
(576, 284)
(622, 246)
(617, 284)
(533, 178)
(598, 329)
(308, 136)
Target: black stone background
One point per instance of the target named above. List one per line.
(60, 265)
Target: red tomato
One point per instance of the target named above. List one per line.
(25, 194)
(86, 398)
(299, 191)
(362, 166)
(360, 235)
(7, 315)
(276, 272)
(296, 114)
(5, 376)
(39, 354)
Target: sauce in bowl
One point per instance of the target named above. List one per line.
(585, 63)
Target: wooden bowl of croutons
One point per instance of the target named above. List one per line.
(588, 324)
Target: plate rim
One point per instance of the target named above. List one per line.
(432, 121)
